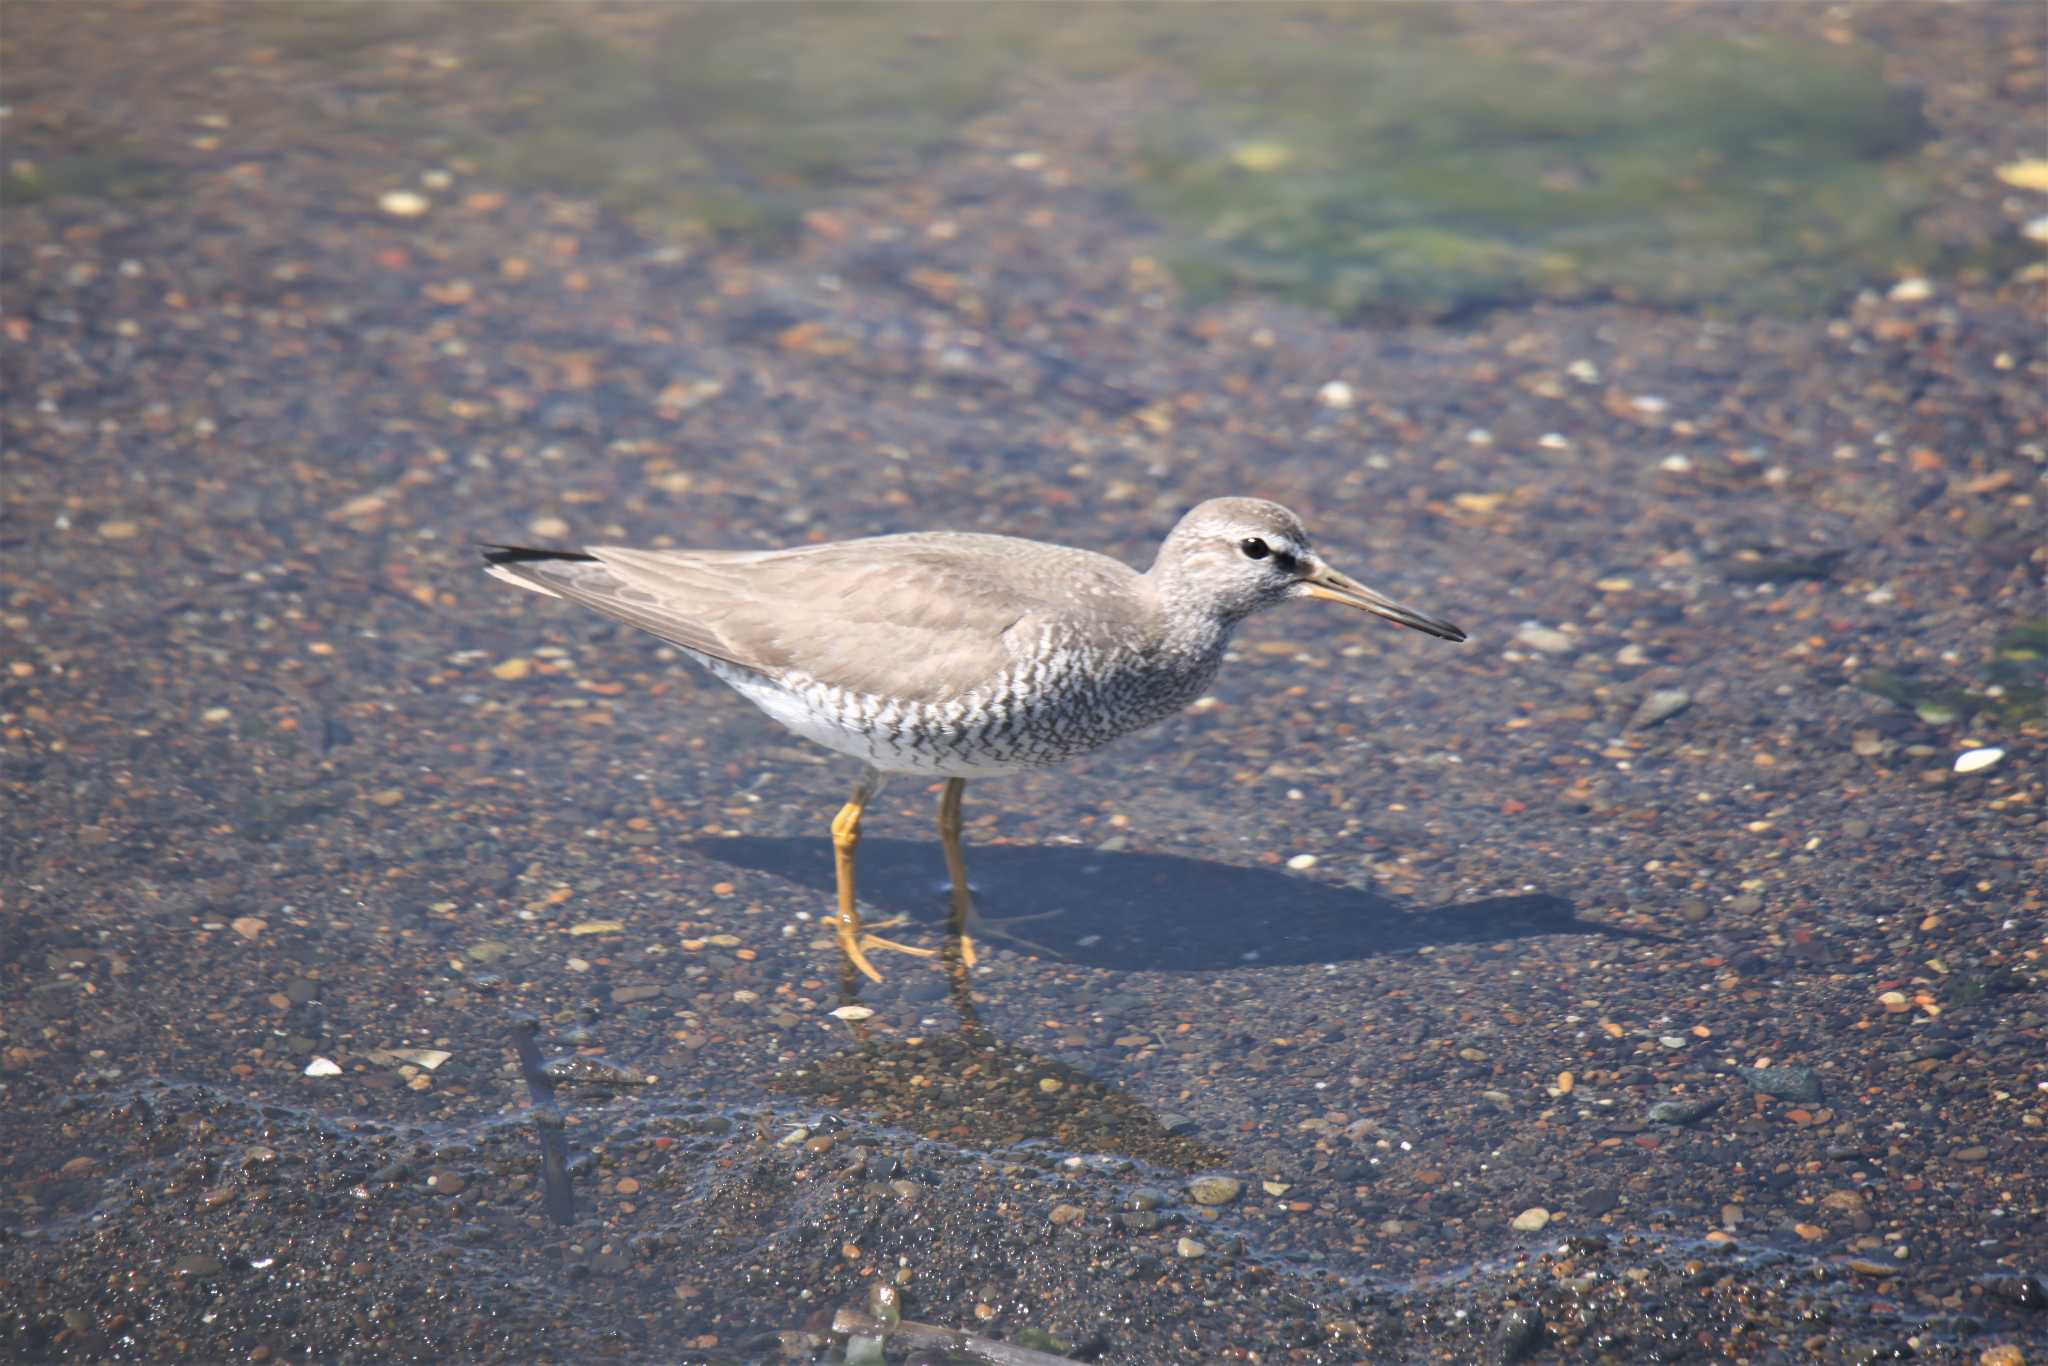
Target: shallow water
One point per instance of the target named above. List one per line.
(1659, 910)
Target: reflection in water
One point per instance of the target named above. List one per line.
(969, 1087)
(1164, 913)
(557, 1194)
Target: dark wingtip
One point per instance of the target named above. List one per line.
(519, 554)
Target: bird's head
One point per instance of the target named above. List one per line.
(1231, 557)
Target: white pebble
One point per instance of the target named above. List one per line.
(852, 1013)
(403, 203)
(323, 1067)
(1335, 394)
(1302, 861)
(1912, 291)
(1977, 760)
(1532, 1219)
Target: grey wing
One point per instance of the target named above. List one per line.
(910, 622)
(587, 579)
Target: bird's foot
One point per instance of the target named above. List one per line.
(856, 944)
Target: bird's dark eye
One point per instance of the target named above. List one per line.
(1254, 548)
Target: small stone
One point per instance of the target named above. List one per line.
(1976, 1152)
(2028, 173)
(78, 1166)
(1302, 862)
(852, 1013)
(598, 927)
(512, 670)
(1546, 639)
(1679, 1112)
(1812, 1233)
(249, 926)
(583, 1071)
(1066, 1214)
(1531, 1220)
(198, 1265)
(1912, 291)
(214, 716)
(1215, 1190)
(119, 531)
(488, 950)
(623, 996)
(403, 203)
(1521, 1333)
(2004, 1354)
(548, 528)
(1659, 707)
(323, 1067)
(1977, 760)
(1785, 1083)
(1049, 1085)
(1336, 394)
(1191, 1247)
(386, 796)
(446, 1183)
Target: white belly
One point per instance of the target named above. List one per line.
(860, 729)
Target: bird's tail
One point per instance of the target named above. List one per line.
(504, 561)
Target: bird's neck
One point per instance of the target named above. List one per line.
(1192, 630)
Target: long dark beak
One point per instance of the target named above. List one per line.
(1327, 584)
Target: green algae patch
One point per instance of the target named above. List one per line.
(1403, 170)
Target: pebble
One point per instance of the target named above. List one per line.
(548, 528)
(1336, 394)
(1521, 1333)
(1913, 290)
(1215, 1190)
(446, 1183)
(512, 670)
(1678, 1112)
(851, 1013)
(1302, 862)
(78, 1166)
(1659, 707)
(592, 1072)
(1531, 1220)
(1785, 1083)
(1546, 639)
(1977, 760)
(323, 1067)
(2005, 1354)
(1066, 1214)
(249, 926)
(1191, 1247)
(403, 203)
(119, 531)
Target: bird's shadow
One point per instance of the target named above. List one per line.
(1155, 912)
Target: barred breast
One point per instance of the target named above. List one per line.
(1062, 699)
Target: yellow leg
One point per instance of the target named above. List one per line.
(845, 836)
(956, 866)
